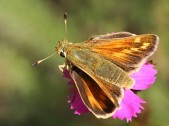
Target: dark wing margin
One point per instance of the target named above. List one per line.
(112, 36)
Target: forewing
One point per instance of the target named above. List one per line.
(101, 99)
(111, 36)
(98, 66)
(129, 53)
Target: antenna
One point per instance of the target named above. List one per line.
(39, 61)
(65, 22)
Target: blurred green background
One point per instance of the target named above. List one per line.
(30, 29)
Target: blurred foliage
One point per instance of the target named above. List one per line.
(29, 30)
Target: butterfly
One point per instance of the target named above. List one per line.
(101, 67)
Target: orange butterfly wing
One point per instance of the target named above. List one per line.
(129, 53)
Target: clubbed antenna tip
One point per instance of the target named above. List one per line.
(35, 64)
(65, 22)
(65, 16)
(39, 61)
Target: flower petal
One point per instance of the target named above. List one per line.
(66, 74)
(131, 103)
(75, 99)
(76, 102)
(130, 106)
(145, 77)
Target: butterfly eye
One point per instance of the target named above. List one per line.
(62, 54)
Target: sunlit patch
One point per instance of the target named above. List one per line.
(145, 45)
(137, 39)
(134, 49)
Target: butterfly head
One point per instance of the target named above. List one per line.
(61, 49)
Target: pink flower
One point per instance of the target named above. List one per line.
(144, 78)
